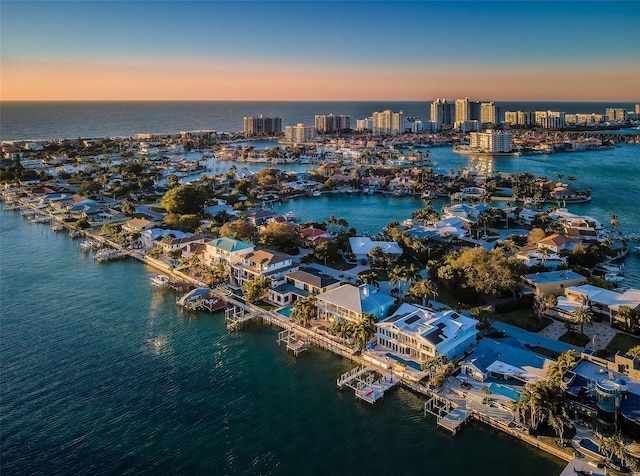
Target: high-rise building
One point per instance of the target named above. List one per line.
(364, 124)
(616, 114)
(491, 141)
(488, 113)
(462, 110)
(299, 133)
(262, 125)
(388, 122)
(442, 113)
(330, 123)
(550, 119)
(518, 118)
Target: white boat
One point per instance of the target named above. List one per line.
(57, 227)
(613, 278)
(290, 216)
(316, 193)
(160, 280)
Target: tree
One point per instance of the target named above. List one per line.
(240, 229)
(304, 311)
(279, 237)
(127, 208)
(422, 290)
(256, 288)
(186, 199)
(634, 351)
(363, 331)
(582, 315)
(217, 274)
(535, 235)
(628, 315)
(566, 361)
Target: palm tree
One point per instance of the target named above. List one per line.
(422, 290)
(304, 311)
(582, 316)
(397, 275)
(363, 331)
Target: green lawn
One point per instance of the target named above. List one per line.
(574, 338)
(621, 342)
(523, 318)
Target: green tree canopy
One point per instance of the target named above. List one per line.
(240, 229)
(279, 237)
(186, 199)
(256, 288)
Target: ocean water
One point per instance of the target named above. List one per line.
(102, 374)
(51, 120)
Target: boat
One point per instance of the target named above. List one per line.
(613, 278)
(290, 216)
(160, 280)
(317, 193)
(57, 227)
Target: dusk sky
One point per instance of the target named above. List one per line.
(308, 50)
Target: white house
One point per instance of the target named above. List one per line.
(418, 333)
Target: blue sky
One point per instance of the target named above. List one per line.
(555, 42)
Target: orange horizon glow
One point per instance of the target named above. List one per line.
(272, 81)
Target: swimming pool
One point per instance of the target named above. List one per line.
(408, 363)
(285, 311)
(504, 391)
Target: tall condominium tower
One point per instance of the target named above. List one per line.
(388, 122)
(442, 113)
(262, 125)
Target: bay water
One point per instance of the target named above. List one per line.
(102, 374)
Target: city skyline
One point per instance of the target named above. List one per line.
(324, 51)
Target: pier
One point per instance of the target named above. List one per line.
(448, 415)
(363, 381)
(236, 317)
(295, 342)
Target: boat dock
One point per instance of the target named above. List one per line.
(236, 317)
(447, 415)
(295, 342)
(200, 299)
(363, 381)
(109, 254)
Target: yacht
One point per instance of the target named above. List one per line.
(160, 280)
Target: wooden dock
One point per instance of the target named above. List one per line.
(447, 415)
(363, 381)
(294, 341)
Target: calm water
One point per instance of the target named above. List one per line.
(101, 374)
(51, 120)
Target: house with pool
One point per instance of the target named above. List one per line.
(417, 333)
(505, 359)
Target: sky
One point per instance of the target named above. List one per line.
(320, 50)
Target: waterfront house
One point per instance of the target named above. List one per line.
(553, 282)
(465, 211)
(173, 243)
(604, 395)
(361, 246)
(558, 243)
(271, 264)
(419, 333)
(301, 283)
(452, 226)
(138, 225)
(349, 303)
(313, 236)
(226, 250)
(505, 359)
